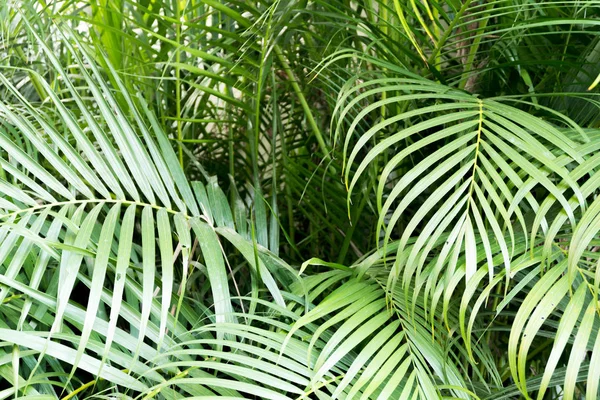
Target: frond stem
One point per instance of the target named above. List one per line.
(446, 35)
(322, 384)
(303, 102)
(79, 389)
(178, 82)
(479, 129)
(91, 201)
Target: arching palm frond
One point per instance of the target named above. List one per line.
(91, 220)
(472, 198)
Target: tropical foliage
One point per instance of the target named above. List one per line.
(294, 199)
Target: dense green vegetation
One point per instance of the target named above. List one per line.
(299, 199)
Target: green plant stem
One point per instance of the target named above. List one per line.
(91, 201)
(473, 49)
(448, 31)
(350, 232)
(177, 82)
(230, 138)
(303, 102)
